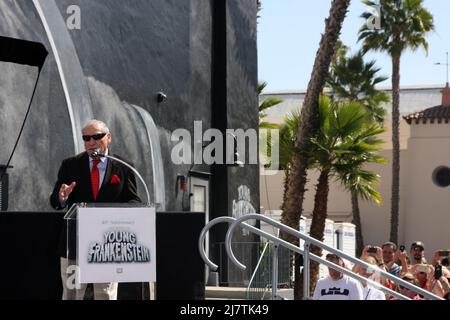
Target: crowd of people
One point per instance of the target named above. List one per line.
(431, 276)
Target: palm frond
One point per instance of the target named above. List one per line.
(269, 125)
(346, 141)
(269, 102)
(404, 24)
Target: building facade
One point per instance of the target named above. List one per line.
(424, 150)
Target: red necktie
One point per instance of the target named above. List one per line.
(95, 178)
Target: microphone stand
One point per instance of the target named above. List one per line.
(96, 154)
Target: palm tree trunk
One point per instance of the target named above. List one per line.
(357, 222)
(285, 187)
(296, 187)
(296, 260)
(291, 214)
(395, 199)
(318, 223)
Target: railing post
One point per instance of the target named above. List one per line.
(306, 270)
(274, 270)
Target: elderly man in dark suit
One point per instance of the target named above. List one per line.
(83, 178)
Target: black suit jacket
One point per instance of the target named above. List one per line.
(77, 169)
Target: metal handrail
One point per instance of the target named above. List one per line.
(308, 240)
(275, 270)
(201, 239)
(288, 245)
(314, 257)
(256, 268)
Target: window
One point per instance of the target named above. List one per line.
(441, 176)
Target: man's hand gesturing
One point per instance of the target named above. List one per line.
(65, 190)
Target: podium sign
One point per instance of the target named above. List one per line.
(116, 244)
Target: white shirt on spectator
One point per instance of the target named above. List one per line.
(371, 293)
(345, 288)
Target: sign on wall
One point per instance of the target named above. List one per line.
(243, 206)
(116, 245)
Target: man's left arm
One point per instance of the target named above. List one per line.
(129, 192)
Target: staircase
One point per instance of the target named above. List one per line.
(239, 293)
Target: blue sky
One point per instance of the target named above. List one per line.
(289, 32)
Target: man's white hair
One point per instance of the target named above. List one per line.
(97, 123)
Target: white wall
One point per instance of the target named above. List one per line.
(427, 211)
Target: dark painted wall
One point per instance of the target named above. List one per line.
(31, 268)
(128, 50)
(42, 144)
(241, 110)
(235, 105)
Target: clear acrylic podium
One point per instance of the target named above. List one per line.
(110, 243)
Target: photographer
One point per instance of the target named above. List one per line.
(441, 257)
(369, 291)
(402, 256)
(441, 278)
(437, 280)
(417, 253)
(423, 274)
(390, 257)
(377, 254)
(406, 291)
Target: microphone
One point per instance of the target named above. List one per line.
(96, 153)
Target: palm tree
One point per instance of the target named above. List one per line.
(266, 104)
(293, 204)
(345, 142)
(360, 184)
(258, 7)
(404, 24)
(287, 149)
(353, 79)
(340, 51)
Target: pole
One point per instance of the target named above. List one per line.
(274, 271)
(446, 64)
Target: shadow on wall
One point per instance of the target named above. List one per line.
(46, 140)
(135, 136)
(56, 113)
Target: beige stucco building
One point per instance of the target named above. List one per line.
(424, 172)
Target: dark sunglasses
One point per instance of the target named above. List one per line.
(96, 137)
(402, 287)
(405, 288)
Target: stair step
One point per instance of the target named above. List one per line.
(225, 292)
(240, 293)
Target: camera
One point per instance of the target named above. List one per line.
(372, 250)
(438, 272)
(443, 253)
(402, 248)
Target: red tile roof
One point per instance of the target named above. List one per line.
(439, 113)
